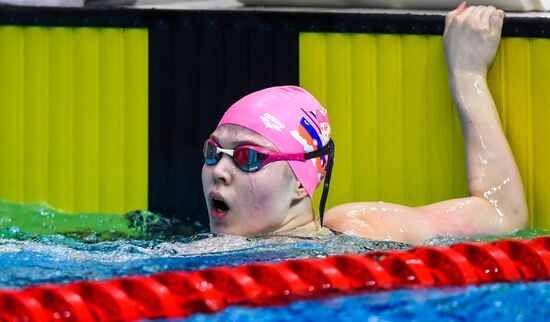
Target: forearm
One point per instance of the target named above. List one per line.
(491, 167)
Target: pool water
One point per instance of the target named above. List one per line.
(90, 252)
(493, 302)
(60, 259)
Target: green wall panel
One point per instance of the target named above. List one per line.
(397, 133)
(73, 117)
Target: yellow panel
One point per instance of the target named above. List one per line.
(35, 95)
(86, 119)
(397, 133)
(136, 131)
(414, 66)
(111, 118)
(60, 145)
(540, 65)
(11, 101)
(338, 71)
(364, 94)
(390, 118)
(73, 117)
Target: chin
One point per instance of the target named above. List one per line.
(219, 228)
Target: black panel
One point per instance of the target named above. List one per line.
(196, 73)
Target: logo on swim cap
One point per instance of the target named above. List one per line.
(271, 122)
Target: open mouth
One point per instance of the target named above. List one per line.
(220, 205)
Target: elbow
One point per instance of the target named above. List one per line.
(520, 218)
(514, 219)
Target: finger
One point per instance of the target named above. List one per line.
(462, 6)
(451, 15)
(462, 16)
(475, 15)
(496, 20)
(480, 14)
(487, 15)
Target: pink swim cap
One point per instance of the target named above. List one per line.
(293, 120)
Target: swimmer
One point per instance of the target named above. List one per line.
(272, 149)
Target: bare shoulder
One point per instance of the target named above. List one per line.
(343, 218)
(374, 220)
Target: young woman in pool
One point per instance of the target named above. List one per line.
(272, 148)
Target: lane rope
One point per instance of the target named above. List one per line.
(181, 294)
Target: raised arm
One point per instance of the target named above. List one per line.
(497, 203)
(471, 41)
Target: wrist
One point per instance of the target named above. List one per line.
(466, 80)
(466, 86)
(458, 75)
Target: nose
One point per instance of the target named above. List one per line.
(222, 171)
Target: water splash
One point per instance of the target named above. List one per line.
(62, 259)
(31, 221)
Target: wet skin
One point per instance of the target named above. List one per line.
(272, 201)
(497, 202)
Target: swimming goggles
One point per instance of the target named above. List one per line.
(251, 158)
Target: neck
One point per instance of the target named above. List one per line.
(300, 220)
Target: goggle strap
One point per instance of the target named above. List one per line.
(329, 149)
(326, 184)
(319, 153)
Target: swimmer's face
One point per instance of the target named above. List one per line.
(241, 203)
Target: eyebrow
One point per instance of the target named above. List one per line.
(237, 142)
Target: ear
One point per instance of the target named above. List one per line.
(299, 192)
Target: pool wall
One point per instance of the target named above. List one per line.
(397, 132)
(106, 110)
(73, 117)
